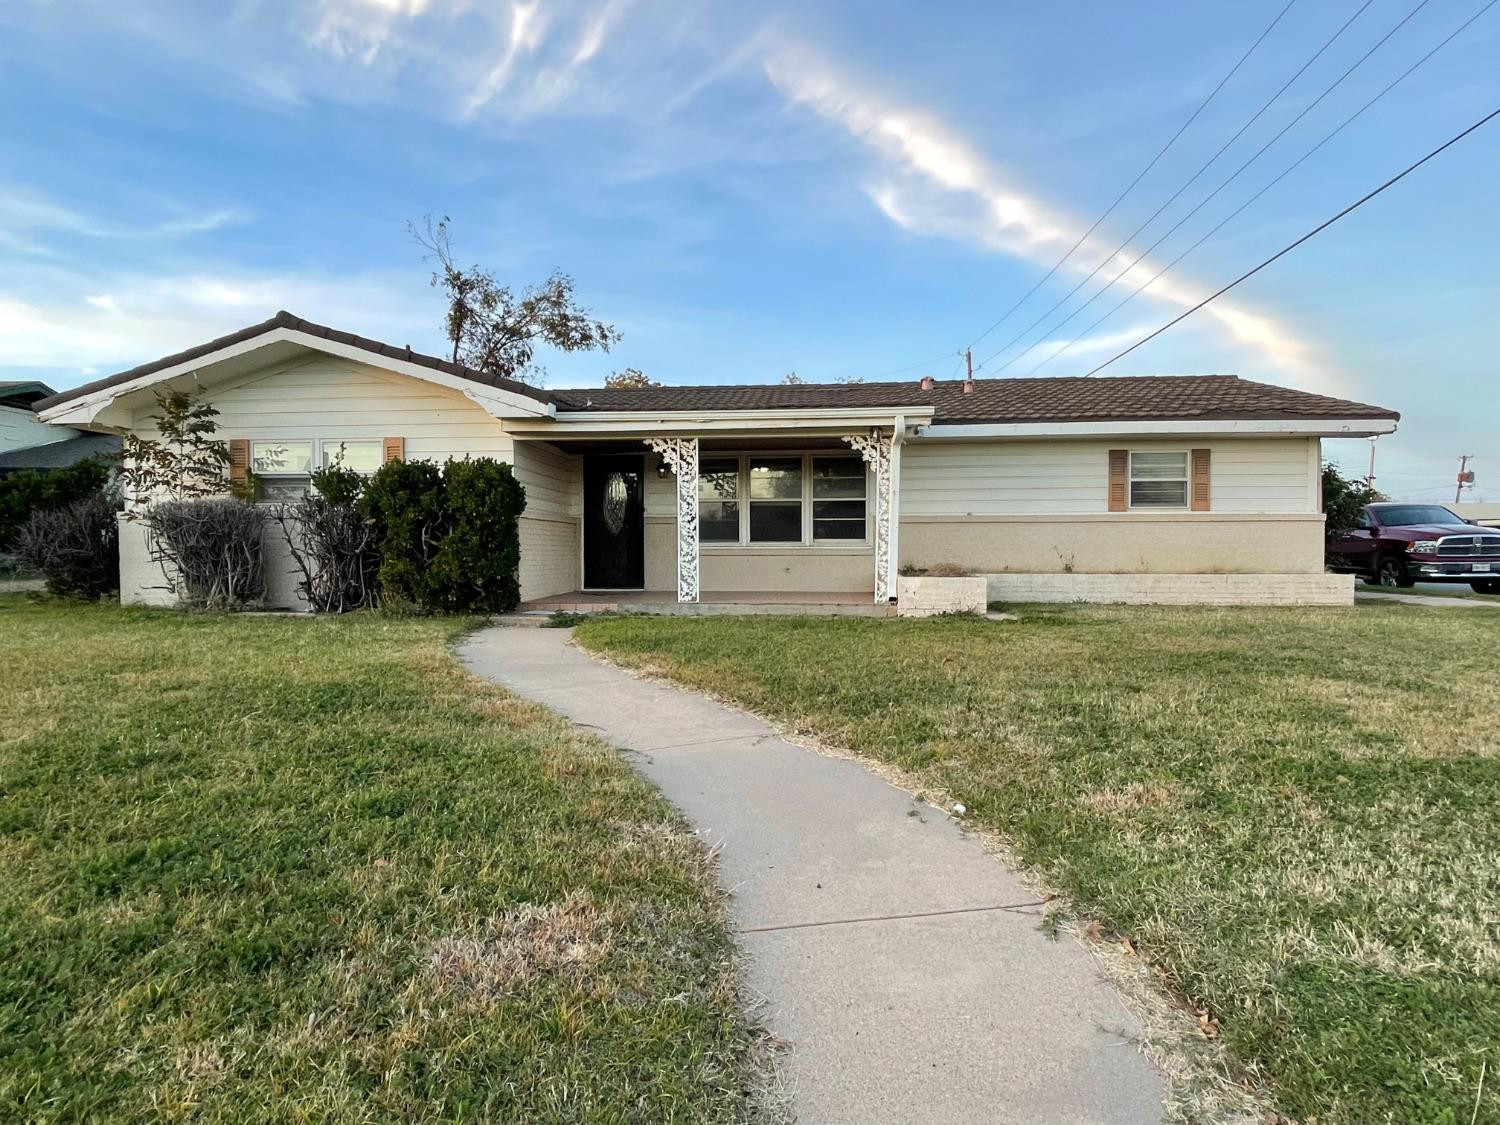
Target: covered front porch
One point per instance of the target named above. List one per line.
(796, 513)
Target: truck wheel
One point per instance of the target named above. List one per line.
(1391, 571)
(1486, 585)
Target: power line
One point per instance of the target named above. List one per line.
(1139, 176)
(1360, 202)
(1241, 208)
(1189, 183)
(1175, 227)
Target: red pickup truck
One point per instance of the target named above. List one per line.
(1400, 544)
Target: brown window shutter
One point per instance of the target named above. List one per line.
(1201, 476)
(1119, 484)
(392, 449)
(239, 460)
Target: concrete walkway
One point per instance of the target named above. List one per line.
(902, 963)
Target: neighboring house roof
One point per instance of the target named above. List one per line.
(23, 393)
(60, 454)
(1152, 397)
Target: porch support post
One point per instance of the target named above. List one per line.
(876, 450)
(681, 456)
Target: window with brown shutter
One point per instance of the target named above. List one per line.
(1119, 482)
(1202, 475)
(239, 460)
(393, 449)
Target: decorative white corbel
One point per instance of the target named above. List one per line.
(875, 448)
(681, 456)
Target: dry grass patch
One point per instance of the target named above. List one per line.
(282, 869)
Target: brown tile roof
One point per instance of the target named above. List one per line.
(1136, 397)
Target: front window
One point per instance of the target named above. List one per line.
(363, 455)
(284, 468)
(1158, 480)
(719, 500)
(838, 498)
(776, 500)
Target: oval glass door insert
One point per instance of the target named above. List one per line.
(616, 499)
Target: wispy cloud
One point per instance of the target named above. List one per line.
(929, 179)
(25, 213)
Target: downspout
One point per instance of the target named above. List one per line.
(893, 560)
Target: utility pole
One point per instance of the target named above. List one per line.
(1370, 476)
(1465, 476)
(969, 368)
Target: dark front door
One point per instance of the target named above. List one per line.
(614, 544)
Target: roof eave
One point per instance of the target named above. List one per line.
(1161, 427)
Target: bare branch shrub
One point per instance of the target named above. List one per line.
(333, 542)
(210, 550)
(76, 547)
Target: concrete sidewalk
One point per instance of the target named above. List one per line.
(902, 963)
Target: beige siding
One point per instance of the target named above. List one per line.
(1063, 477)
(550, 547)
(1118, 543)
(330, 398)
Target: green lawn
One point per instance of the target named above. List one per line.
(1295, 813)
(274, 869)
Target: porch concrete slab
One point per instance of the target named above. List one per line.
(904, 965)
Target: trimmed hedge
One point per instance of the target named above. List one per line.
(449, 537)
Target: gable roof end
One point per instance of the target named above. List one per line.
(286, 320)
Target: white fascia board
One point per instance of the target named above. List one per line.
(496, 401)
(1267, 427)
(579, 422)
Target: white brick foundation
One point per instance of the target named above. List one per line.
(1174, 589)
(928, 597)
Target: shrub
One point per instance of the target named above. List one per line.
(449, 538)
(409, 507)
(476, 568)
(210, 550)
(76, 547)
(333, 542)
(35, 490)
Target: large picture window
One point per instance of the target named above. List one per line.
(1158, 480)
(750, 499)
(285, 467)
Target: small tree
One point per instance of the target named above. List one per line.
(792, 379)
(497, 332)
(185, 463)
(1343, 499)
(632, 378)
(204, 534)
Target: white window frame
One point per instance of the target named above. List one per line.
(806, 456)
(1187, 482)
(315, 462)
(325, 444)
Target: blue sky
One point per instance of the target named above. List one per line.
(839, 189)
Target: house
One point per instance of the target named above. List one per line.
(1177, 488)
(20, 428)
